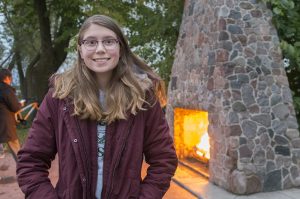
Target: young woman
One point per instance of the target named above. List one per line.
(101, 117)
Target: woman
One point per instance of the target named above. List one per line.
(101, 117)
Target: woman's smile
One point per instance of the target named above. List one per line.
(101, 60)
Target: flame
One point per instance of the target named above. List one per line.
(203, 146)
(190, 133)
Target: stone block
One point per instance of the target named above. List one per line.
(292, 134)
(254, 184)
(238, 182)
(272, 181)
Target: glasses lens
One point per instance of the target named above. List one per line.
(110, 43)
(90, 44)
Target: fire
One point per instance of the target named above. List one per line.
(190, 134)
(203, 146)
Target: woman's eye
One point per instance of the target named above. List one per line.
(91, 42)
(108, 42)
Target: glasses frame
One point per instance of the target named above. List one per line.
(97, 41)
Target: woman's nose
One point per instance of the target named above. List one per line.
(100, 47)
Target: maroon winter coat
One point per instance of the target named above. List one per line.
(54, 130)
(9, 104)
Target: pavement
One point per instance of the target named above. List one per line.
(9, 188)
(186, 184)
(201, 188)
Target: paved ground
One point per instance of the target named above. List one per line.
(175, 191)
(203, 189)
(9, 188)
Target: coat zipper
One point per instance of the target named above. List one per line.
(118, 160)
(86, 158)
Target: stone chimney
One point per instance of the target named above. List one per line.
(228, 63)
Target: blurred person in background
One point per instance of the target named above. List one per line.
(9, 105)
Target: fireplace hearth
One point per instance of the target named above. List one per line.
(191, 139)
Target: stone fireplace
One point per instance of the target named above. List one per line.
(228, 66)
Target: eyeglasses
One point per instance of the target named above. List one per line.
(92, 44)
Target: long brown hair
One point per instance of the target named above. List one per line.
(127, 89)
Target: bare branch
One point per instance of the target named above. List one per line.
(6, 59)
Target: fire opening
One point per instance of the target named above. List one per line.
(191, 134)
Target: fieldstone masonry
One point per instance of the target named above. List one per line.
(228, 63)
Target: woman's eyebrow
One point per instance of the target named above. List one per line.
(90, 37)
(105, 37)
(109, 37)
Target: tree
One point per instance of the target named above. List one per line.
(159, 33)
(41, 30)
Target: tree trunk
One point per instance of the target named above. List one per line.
(37, 79)
(23, 86)
(49, 59)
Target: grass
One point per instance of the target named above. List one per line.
(22, 133)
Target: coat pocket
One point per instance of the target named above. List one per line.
(66, 194)
(134, 189)
(128, 190)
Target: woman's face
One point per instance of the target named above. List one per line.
(100, 50)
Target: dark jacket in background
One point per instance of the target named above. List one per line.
(55, 130)
(9, 104)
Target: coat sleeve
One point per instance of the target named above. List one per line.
(159, 154)
(11, 100)
(34, 159)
